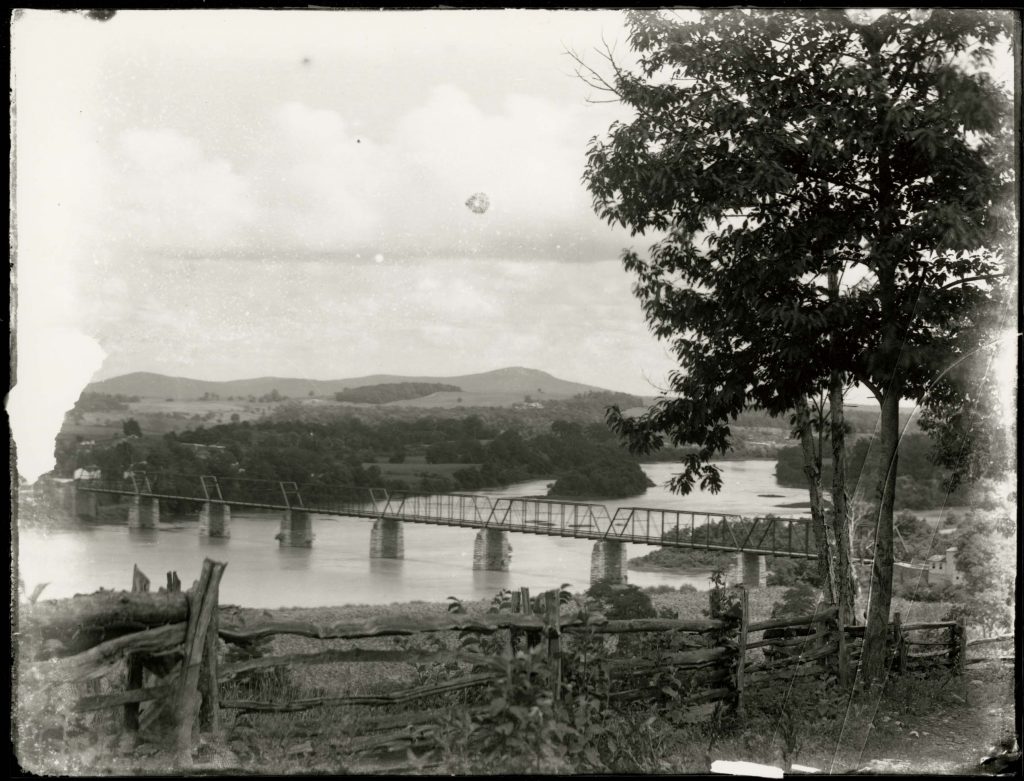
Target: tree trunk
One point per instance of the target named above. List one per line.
(876, 632)
(846, 577)
(812, 470)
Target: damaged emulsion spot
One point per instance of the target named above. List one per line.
(99, 14)
(478, 203)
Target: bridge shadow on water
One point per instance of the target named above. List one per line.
(144, 536)
(490, 582)
(295, 558)
(214, 543)
(386, 567)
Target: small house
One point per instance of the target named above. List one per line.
(942, 568)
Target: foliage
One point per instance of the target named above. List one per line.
(923, 484)
(336, 457)
(801, 600)
(972, 431)
(791, 572)
(103, 402)
(717, 533)
(989, 612)
(919, 591)
(387, 392)
(775, 151)
(131, 428)
(621, 601)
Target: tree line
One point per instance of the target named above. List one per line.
(339, 457)
(384, 393)
(922, 483)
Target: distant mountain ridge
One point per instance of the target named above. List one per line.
(515, 379)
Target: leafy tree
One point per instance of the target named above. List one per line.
(131, 428)
(778, 154)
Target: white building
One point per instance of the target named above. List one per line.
(942, 569)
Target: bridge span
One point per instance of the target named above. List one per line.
(751, 539)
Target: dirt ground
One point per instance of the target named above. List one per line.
(941, 725)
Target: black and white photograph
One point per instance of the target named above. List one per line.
(515, 391)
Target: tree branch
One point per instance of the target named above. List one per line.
(982, 278)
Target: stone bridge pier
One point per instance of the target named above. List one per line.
(387, 539)
(143, 512)
(492, 550)
(215, 520)
(751, 570)
(608, 562)
(82, 504)
(296, 529)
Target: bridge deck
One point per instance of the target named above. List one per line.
(788, 537)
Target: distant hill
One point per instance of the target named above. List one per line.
(516, 381)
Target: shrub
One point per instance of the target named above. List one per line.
(790, 572)
(621, 602)
(801, 600)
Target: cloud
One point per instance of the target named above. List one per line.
(166, 193)
(320, 186)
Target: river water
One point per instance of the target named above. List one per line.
(338, 570)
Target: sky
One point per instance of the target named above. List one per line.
(228, 194)
(231, 194)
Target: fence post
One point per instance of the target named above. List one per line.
(533, 637)
(843, 652)
(209, 706)
(200, 609)
(136, 671)
(959, 633)
(741, 648)
(554, 631)
(900, 643)
(517, 608)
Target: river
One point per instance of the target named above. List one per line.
(337, 569)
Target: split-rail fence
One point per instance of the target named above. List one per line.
(175, 640)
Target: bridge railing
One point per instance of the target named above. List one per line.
(538, 515)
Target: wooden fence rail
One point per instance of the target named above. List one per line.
(169, 641)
